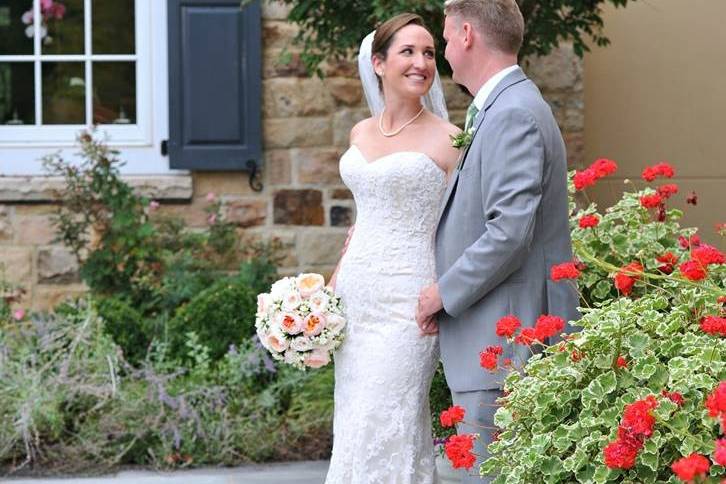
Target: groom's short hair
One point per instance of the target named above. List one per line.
(500, 21)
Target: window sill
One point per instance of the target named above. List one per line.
(39, 189)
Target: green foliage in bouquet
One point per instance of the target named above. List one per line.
(652, 339)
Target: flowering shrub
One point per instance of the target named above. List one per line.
(638, 234)
(639, 394)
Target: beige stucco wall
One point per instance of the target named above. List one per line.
(658, 92)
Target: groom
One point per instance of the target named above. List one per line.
(504, 220)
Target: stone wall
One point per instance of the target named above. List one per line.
(306, 122)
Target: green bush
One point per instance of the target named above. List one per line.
(220, 316)
(70, 402)
(126, 325)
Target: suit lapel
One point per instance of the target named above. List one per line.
(514, 77)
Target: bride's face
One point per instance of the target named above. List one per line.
(410, 65)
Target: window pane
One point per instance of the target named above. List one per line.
(16, 27)
(63, 22)
(64, 91)
(114, 92)
(113, 26)
(17, 102)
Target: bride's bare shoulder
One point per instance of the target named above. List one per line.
(360, 129)
(447, 127)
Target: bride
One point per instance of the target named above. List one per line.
(396, 167)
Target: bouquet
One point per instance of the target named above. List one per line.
(300, 321)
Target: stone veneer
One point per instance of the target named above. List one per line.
(304, 203)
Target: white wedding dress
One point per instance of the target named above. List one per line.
(383, 370)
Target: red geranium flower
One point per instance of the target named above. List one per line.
(638, 418)
(452, 416)
(688, 468)
(620, 455)
(708, 254)
(716, 401)
(714, 325)
(488, 360)
(660, 169)
(669, 260)
(651, 201)
(583, 179)
(458, 450)
(547, 326)
(719, 455)
(568, 270)
(589, 221)
(693, 270)
(674, 397)
(604, 167)
(687, 243)
(668, 190)
(497, 350)
(507, 326)
(621, 362)
(626, 277)
(526, 337)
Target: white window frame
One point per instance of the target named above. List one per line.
(22, 147)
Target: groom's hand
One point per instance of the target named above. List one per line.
(429, 303)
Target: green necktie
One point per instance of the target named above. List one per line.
(470, 116)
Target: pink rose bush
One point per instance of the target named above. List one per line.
(300, 321)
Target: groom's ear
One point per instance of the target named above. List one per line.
(468, 30)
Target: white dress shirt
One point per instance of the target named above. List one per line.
(489, 86)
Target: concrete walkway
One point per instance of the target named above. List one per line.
(287, 473)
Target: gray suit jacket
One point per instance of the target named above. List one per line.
(503, 224)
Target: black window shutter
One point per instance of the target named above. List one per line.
(215, 85)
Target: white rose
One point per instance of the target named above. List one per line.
(318, 302)
(291, 357)
(281, 287)
(335, 322)
(317, 359)
(291, 300)
(264, 301)
(301, 343)
(309, 284)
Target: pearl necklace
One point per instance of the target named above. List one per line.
(395, 132)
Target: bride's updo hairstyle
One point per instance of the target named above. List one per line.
(387, 31)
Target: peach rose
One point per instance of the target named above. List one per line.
(309, 284)
(317, 359)
(313, 324)
(277, 342)
(289, 323)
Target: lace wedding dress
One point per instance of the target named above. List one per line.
(383, 371)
